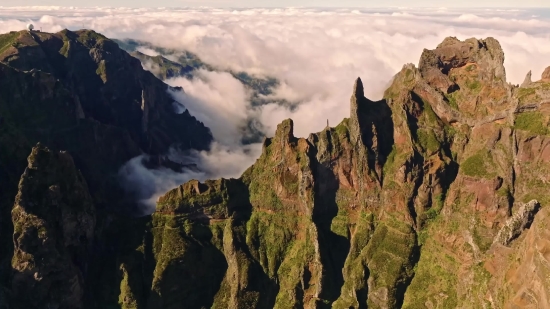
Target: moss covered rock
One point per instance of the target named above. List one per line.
(414, 201)
(54, 221)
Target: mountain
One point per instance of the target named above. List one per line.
(187, 65)
(79, 92)
(433, 197)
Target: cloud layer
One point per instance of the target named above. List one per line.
(315, 53)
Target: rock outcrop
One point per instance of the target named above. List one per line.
(54, 223)
(419, 200)
(79, 92)
(546, 74)
(517, 223)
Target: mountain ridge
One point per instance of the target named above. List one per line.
(444, 166)
(433, 197)
(78, 92)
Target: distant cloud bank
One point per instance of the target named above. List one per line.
(315, 54)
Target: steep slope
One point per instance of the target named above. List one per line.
(490, 142)
(80, 93)
(416, 201)
(109, 85)
(34, 107)
(433, 197)
(183, 64)
(54, 221)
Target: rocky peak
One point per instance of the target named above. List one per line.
(285, 131)
(483, 56)
(465, 80)
(546, 74)
(54, 221)
(110, 86)
(453, 53)
(527, 81)
(358, 88)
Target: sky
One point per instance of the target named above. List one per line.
(281, 3)
(315, 53)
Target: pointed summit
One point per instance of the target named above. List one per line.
(285, 131)
(358, 88)
(527, 80)
(357, 97)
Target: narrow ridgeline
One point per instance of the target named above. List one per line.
(433, 197)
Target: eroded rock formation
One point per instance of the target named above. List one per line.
(427, 198)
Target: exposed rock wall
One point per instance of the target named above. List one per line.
(419, 200)
(78, 92)
(397, 206)
(111, 86)
(54, 222)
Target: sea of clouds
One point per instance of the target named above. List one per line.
(315, 53)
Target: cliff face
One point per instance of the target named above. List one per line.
(187, 65)
(78, 92)
(419, 200)
(109, 86)
(54, 221)
(433, 197)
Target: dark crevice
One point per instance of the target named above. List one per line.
(333, 248)
(402, 286)
(363, 294)
(376, 128)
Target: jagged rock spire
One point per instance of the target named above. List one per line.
(285, 131)
(356, 97)
(358, 88)
(527, 80)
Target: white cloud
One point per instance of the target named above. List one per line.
(315, 53)
(217, 99)
(147, 185)
(147, 51)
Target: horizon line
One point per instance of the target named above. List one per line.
(282, 7)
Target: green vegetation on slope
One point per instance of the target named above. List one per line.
(527, 95)
(534, 122)
(7, 39)
(314, 223)
(428, 140)
(479, 165)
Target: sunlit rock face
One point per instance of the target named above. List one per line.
(433, 197)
